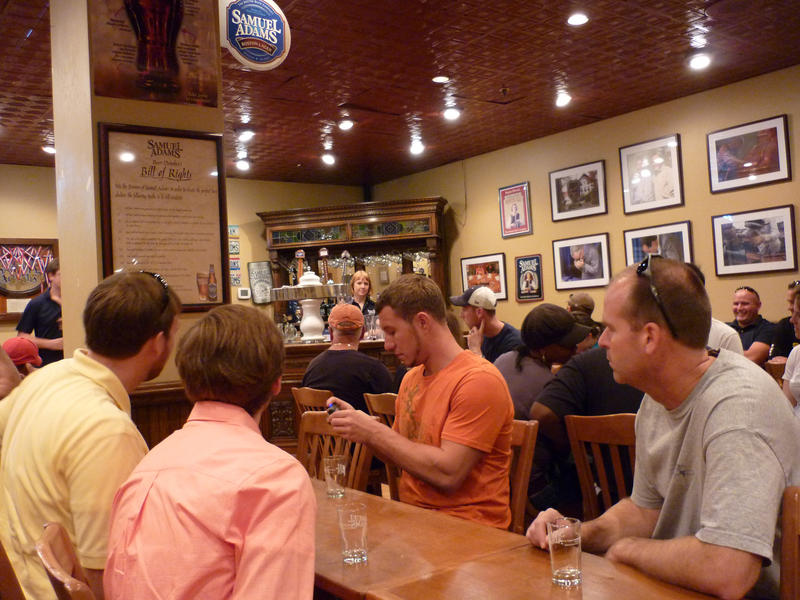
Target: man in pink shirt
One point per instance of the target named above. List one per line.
(215, 511)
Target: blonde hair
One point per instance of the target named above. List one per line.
(360, 275)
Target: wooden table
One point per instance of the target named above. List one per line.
(524, 574)
(404, 542)
(416, 554)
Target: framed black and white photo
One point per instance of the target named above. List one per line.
(515, 210)
(651, 174)
(581, 262)
(756, 241)
(528, 270)
(578, 191)
(750, 154)
(488, 270)
(672, 240)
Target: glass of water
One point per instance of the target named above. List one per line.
(564, 537)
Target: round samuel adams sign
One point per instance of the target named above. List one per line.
(257, 33)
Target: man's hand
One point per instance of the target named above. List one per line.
(475, 339)
(354, 425)
(537, 532)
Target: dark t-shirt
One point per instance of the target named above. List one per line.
(759, 330)
(369, 306)
(41, 319)
(505, 341)
(784, 339)
(348, 374)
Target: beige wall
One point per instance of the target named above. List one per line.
(28, 201)
(471, 188)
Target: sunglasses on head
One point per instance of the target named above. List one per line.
(164, 288)
(645, 269)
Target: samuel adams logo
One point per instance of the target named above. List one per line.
(257, 33)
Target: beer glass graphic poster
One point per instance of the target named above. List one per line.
(159, 50)
(163, 209)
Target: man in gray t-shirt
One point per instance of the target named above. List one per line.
(715, 445)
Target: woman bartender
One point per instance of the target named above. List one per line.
(361, 286)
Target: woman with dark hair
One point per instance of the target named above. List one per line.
(549, 337)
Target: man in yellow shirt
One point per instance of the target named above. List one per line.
(68, 440)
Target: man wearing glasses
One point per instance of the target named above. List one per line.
(756, 332)
(716, 444)
(68, 440)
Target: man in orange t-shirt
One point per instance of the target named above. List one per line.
(452, 432)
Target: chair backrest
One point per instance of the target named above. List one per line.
(790, 544)
(523, 443)
(306, 398)
(316, 440)
(598, 444)
(65, 572)
(381, 406)
(9, 585)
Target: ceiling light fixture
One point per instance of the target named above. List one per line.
(451, 114)
(243, 165)
(562, 99)
(440, 79)
(577, 19)
(241, 154)
(328, 159)
(126, 156)
(246, 135)
(49, 149)
(346, 124)
(417, 147)
(699, 61)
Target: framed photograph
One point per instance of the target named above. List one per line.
(528, 271)
(651, 174)
(162, 208)
(673, 240)
(581, 262)
(578, 191)
(755, 242)
(515, 210)
(488, 270)
(23, 262)
(750, 154)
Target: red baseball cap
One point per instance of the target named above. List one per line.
(346, 317)
(22, 351)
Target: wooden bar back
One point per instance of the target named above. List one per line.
(599, 442)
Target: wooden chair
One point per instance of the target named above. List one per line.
(523, 443)
(381, 406)
(65, 572)
(9, 585)
(602, 438)
(790, 544)
(316, 440)
(306, 398)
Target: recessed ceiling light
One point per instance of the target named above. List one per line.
(699, 61)
(243, 165)
(440, 79)
(49, 149)
(562, 99)
(417, 147)
(328, 159)
(246, 135)
(345, 124)
(576, 19)
(214, 174)
(126, 156)
(451, 114)
(241, 154)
